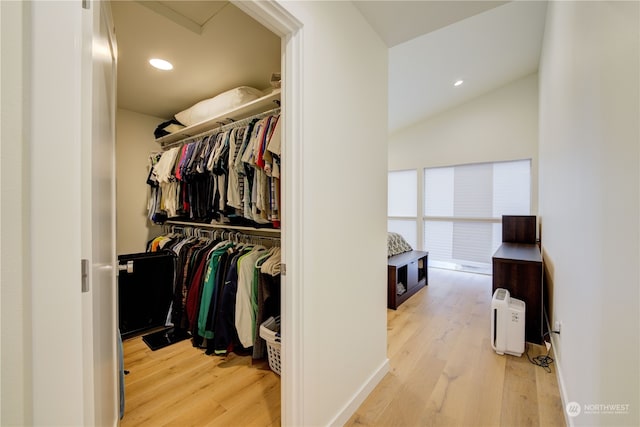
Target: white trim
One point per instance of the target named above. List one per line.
(563, 391)
(359, 397)
(273, 16)
(293, 237)
(420, 224)
(463, 219)
(91, 390)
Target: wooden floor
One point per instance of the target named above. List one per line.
(443, 373)
(180, 385)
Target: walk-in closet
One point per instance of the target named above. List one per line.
(198, 181)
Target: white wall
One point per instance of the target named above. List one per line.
(344, 125)
(15, 309)
(134, 143)
(589, 193)
(500, 125)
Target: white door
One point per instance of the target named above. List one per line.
(98, 206)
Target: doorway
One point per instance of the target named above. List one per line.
(284, 26)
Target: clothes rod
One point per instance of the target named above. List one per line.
(223, 127)
(257, 231)
(225, 234)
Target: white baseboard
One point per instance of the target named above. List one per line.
(563, 391)
(354, 403)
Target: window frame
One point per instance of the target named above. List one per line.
(479, 267)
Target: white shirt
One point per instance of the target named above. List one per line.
(245, 315)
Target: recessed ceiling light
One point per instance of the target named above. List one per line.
(161, 64)
(458, 83)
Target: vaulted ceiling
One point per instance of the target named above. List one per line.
(485, 50)
(215, 47)
(399, 21)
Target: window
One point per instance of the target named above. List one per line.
(402, 205)
(463, 208)
(455, 212)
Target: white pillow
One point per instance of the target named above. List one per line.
(396, 244)
(217, 105)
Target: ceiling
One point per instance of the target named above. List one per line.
(399, 21)
(486, 44)
(215, 47)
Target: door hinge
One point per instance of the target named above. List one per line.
(86, 4)
(84, 274)
(283, 269)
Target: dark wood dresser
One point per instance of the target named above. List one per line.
(517, 267)
(407, 275)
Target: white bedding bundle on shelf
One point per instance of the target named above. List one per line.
(218, 105)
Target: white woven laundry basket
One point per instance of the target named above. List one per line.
(270, 332)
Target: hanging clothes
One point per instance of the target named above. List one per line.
(224, 290)
(231, 176)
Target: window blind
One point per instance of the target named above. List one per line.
(463, 207)
(402, 205)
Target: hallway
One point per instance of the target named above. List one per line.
(444, 372)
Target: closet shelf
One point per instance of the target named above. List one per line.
(247, 110)
(252, 230)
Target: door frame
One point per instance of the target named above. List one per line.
(100, 332)
(53, 310)
(281, 22)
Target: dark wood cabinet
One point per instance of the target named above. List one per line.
(407, 275)
(517, 267)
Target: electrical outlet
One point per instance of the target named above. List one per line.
(556, 326)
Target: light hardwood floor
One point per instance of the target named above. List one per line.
(180, 385)
(443, 373)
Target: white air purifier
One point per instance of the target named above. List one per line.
(507, 323)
